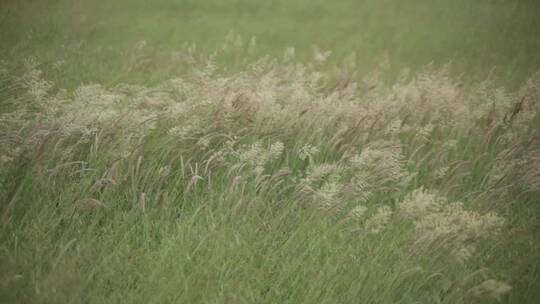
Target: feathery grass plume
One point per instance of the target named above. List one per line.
(327, 196)
(322, 185)
(420, 203)
(377, 168)
(441, 172)
(425, 131)
(438, 221)
(378, 221)
(289, 54)
(143, 56)
(518, 166)
(320, 56)
(357, 212)
(11, 141)
(380, 165)
(530, 170)
(256, 158)
(317, 173)
(232, 43)
(358, 187)
(37, 87)
(307, 152)
(490, 289)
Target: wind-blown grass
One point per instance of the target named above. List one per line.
(282, 182)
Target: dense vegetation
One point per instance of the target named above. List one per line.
(139, 167)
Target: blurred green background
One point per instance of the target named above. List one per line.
(95, 38)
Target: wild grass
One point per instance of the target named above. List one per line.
(91, 41)
(358, 167)
(283, 182)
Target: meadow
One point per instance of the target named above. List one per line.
(269, 152)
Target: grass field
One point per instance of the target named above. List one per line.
(96, 38)
(269, 151)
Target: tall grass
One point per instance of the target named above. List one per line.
(283, 182)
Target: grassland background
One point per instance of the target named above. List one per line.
(214, 245)
(95, 37)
